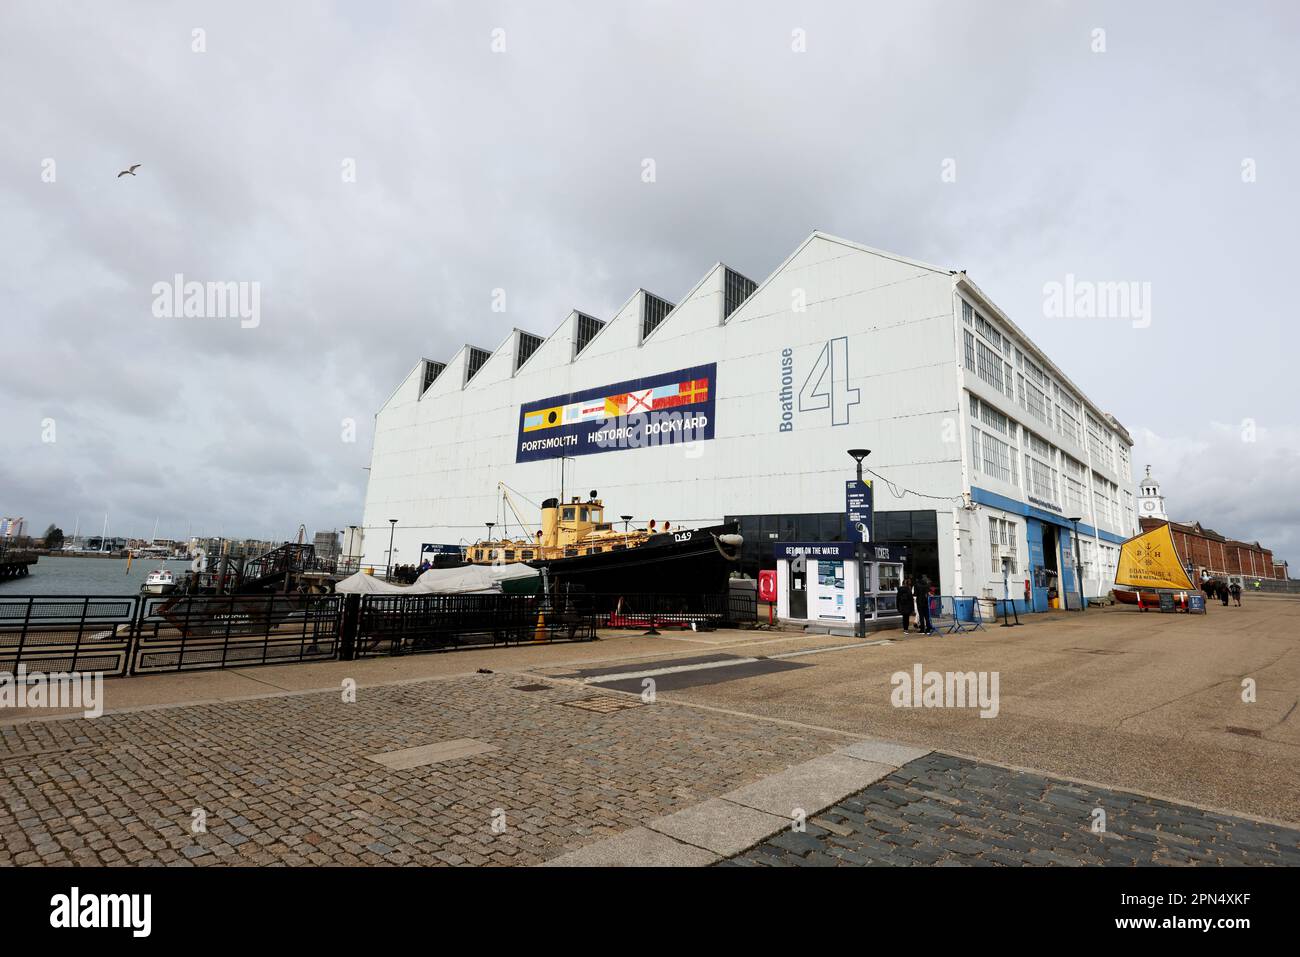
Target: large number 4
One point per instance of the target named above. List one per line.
(827, 385)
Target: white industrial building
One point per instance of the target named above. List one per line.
(739, 402)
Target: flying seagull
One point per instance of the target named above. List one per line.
(128, 172)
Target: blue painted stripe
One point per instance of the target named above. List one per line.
(994, 500)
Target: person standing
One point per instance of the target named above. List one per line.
(921, 592)
(906, 603)
(1236, 593)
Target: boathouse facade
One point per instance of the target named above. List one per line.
(739, 400)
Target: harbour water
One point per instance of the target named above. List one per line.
(86, 576)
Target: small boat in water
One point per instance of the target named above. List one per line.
(159, 582)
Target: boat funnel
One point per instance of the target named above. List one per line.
(549, 535)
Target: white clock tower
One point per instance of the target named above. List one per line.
(1151, 504)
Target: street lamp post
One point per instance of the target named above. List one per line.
(860, 552)
(1074, 550)
(392, 528)
(352, 540)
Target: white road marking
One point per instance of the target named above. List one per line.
(818, 651)
(656, 672)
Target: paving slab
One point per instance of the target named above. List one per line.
(638, 847)
(810, 786)
(720, 826)
(884, 752)
(418, 757)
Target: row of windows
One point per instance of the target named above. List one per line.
(1050, 474)
(1032, 388)
(1035, 387)
(527, 554)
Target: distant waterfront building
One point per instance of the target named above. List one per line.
(739, 401)
(326, 544)
(12, 527)
(1204, 549)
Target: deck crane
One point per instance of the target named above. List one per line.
(510, 502)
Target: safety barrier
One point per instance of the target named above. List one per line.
(135, 635)
(195, 633)
(954, 614)
(408, 624)
(66, 634)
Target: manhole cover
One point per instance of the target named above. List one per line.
(604, 704)
(530, 687)
(1246, 732)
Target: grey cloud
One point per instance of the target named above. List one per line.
(522, 170)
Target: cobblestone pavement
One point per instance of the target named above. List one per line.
(941, 810)
(289, 780)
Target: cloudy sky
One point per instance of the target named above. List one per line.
(1153, 143)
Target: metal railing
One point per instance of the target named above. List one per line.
(191, 633)
(406, 624)
(149, 634)
(131, 635)
(66, 634)
(953, 614)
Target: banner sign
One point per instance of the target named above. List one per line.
(1150, 560)
(857, 508)
(839, 550)
(427, 549)
(671, 408)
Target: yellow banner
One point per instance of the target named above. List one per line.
(1150, 560)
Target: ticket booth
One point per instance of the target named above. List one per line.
(817, 583)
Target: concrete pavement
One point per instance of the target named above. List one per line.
(544, 757)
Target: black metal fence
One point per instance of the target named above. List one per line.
(65, 634)
(134, 635)
(403, 624)
(224, 631)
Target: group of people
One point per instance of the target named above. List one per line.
(407, 574)
(1214, 588)
(914, 599)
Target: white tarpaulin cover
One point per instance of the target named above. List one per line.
(466, 580)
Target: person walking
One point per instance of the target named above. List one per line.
(1223, 593)
(1236, 593)
(906, 603)
(921, 592)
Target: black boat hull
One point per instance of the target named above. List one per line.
(689, 562)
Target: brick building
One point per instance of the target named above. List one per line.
(1204, 549)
